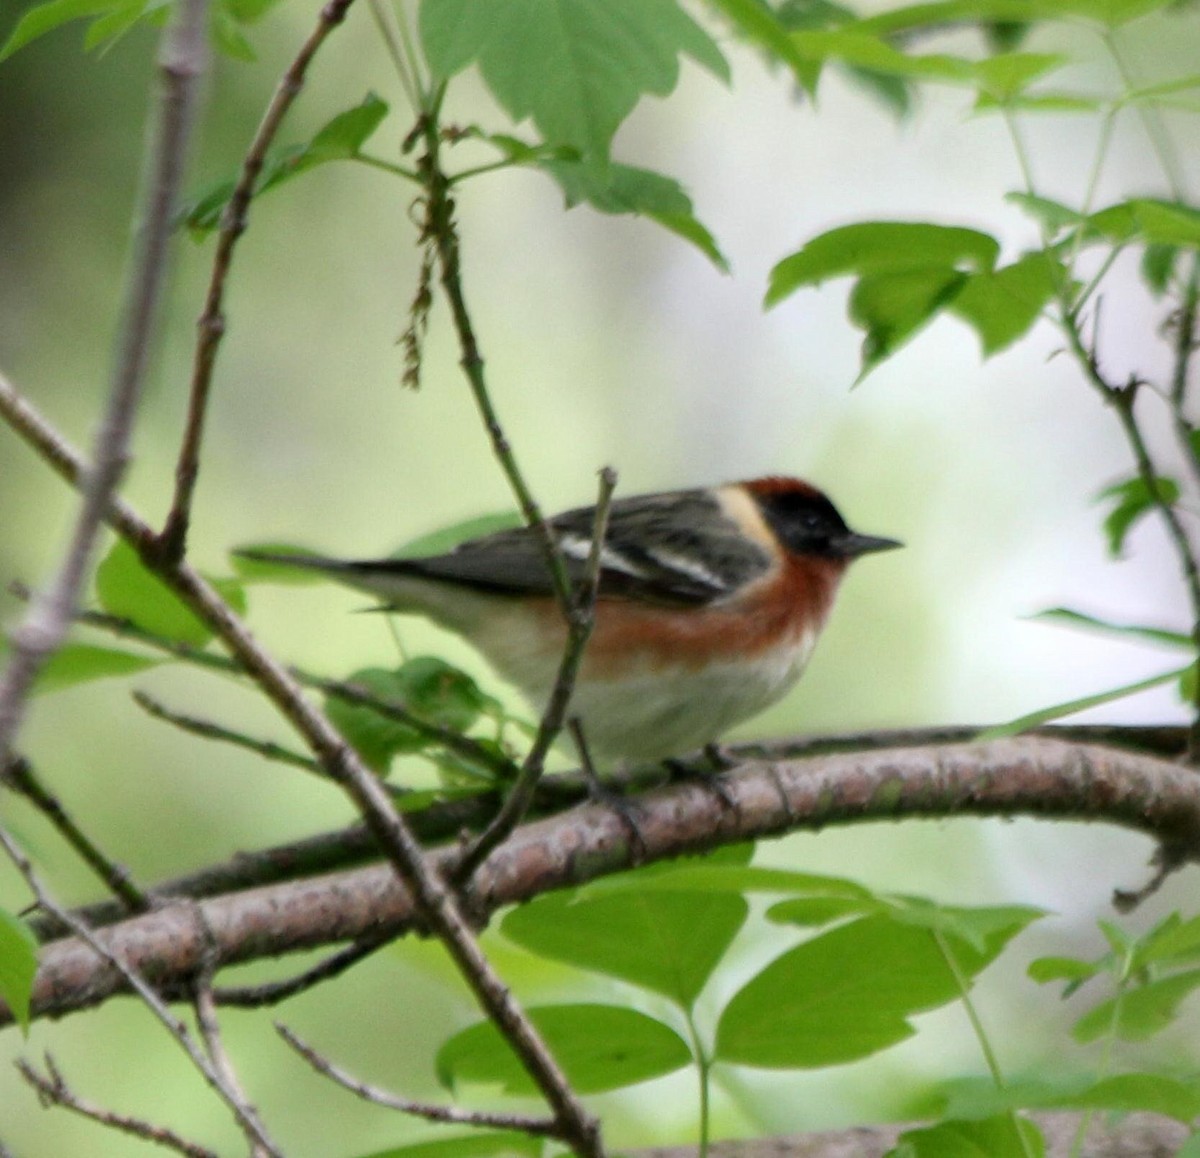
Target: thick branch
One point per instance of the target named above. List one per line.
(1029, 776)
(1133, 1136)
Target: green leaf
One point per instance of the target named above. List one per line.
(1137, 631)
(1046, 969)
(229, 39)
(1070, 707)
(853, 46)
(1007, 75)
(340, 139)
(128, 590)
(1134, 498)
(669, 942)
(576, 69)
(627, 189)
(599, 1047)
(478, 1144)
(343, 137)
(18, 964)
(892, 307)
(1158, 266)
(248, 11)
(46, 17)
(845, 994)
(107, 30)
(1002, 305)
(979, 927)
(1003, 1136)
(428, 687)
(1053, 216)
(1173, 942)
(708, 876)
(1123, 1093)
(812, 912)
(765, 30)
(882, 247)
(1139, 1013)
(78, 663)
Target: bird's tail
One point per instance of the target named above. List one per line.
(397, 582)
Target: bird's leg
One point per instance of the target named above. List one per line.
(707, 772)
(626, 809)
(721, 758)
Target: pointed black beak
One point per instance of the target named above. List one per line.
(852, 544)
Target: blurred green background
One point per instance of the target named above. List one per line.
(607, 341)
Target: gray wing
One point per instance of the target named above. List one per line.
(677, 549)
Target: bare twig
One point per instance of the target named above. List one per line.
(267, 749)
(1040, 777)
(209, 1025)
(1123, 400)
(172, 542)
(52, 1090)
(273, 992)
(182, 58)
(437, 904)
(454, 1115)
(21, 777)
(132, 978)
(349, 692)
(579, 629)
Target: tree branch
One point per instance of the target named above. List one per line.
(1046, 778)
(438, 906)
(182, 59)
(172, 542)
(354, 845)
(52, 1090)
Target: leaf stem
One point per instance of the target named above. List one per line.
(441, 228)
(977, 1027)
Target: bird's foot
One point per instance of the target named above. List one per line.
(617, 802)
(706, 771)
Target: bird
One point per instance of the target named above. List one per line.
(708, 605)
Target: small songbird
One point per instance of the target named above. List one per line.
(709, 603)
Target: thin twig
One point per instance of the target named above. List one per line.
(209, 1025)
(1123, 400)
(182, 59)
(1185, 348)
(537, 1127)
(54, 1091)
(579, 629)
(20, 776)
(135, 981)
(273, 992)
(172, 542)
(441, 227)
(267, 749)
(437, 904)
(351, 693)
